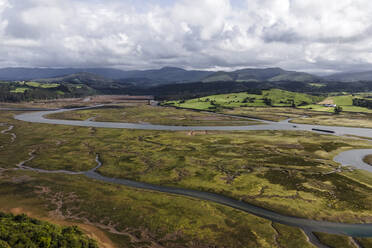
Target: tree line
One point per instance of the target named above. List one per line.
(22, 231)
(362, 102)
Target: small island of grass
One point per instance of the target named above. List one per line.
(368, 159)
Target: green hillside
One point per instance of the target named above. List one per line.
(26, 91)
(273, 97)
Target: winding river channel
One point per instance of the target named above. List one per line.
(351, 157)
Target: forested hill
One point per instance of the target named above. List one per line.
(200, 89)
(22, 231)
(28, 91)
(85, 84)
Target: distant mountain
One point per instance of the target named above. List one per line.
(168, 75)
(32, 73)
(78, 78)
(37, 73)
(351, 76)
(164, 75)
(151, 77)
(257, 75)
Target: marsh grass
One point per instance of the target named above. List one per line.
(335, 241)
(152, 114)
(172, 221)
(344, 119)
(284, 171)
(279, 170)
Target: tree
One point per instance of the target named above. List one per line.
(267, 101)
(292, 102)
(337, 110)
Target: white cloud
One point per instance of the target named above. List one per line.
(295, 34)
(4, 4)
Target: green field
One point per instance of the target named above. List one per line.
(278, 98)
(243, 104)
(42, 85)
(19, 90)
(345, 101)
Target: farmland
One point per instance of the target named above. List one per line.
(274, 97)
(284, 105)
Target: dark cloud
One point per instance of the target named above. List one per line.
(317, 35)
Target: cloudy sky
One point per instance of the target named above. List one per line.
(309, 35)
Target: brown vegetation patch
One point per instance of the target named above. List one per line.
(21, 179)
(327, 101)
(290, 146)
(193, 133)
(208, 118)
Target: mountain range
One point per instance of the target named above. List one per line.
(168, 75)
(351, 76)
(258, 75)
(147, 77)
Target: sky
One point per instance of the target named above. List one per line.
(317, 36)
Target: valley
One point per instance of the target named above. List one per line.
(289, 172)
